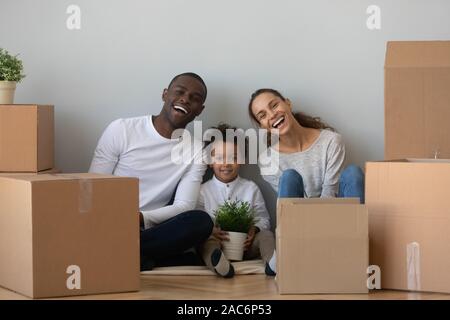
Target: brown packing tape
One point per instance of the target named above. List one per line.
(85, 196)
(85, 192)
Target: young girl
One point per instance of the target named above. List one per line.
(227, 185)
(310, 154)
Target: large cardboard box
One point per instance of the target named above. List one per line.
(409, 219)
(322, 246)
(69, 234)
(26, 138)
(417, 100)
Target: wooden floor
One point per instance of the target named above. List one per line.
(240, 287)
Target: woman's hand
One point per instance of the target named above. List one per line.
(220, 234)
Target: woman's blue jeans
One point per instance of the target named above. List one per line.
(351, 184)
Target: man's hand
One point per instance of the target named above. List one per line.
(220, 234)
(250, 237)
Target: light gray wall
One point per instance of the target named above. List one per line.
(319, 53)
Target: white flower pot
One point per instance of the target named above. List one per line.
(234, 249)
(7, 89)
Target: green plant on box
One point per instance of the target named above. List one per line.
(10, 67)
(235, 216)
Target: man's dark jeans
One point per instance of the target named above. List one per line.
(166, 243)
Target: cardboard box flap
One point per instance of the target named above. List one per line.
(322, 221)
(283, 202)
(318, 200)
(413, 160)
(417, 54)
(62, 176)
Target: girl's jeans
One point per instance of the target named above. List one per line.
(351, 184)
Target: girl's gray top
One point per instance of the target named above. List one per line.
(320, 165)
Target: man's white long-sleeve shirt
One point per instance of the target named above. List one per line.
(214, 193)
(133, 148)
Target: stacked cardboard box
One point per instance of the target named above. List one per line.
(322, 246)
(409, 203)
(417, 100)
(61, 234)
(409, 213)
(26, 138)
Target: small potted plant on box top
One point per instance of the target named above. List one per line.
(10, 74)
(235, 217)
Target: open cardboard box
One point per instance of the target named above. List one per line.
(322, 246)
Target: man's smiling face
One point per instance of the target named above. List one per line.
(183, 100)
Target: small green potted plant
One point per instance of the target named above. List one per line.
(10, 74)
(235, 217)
